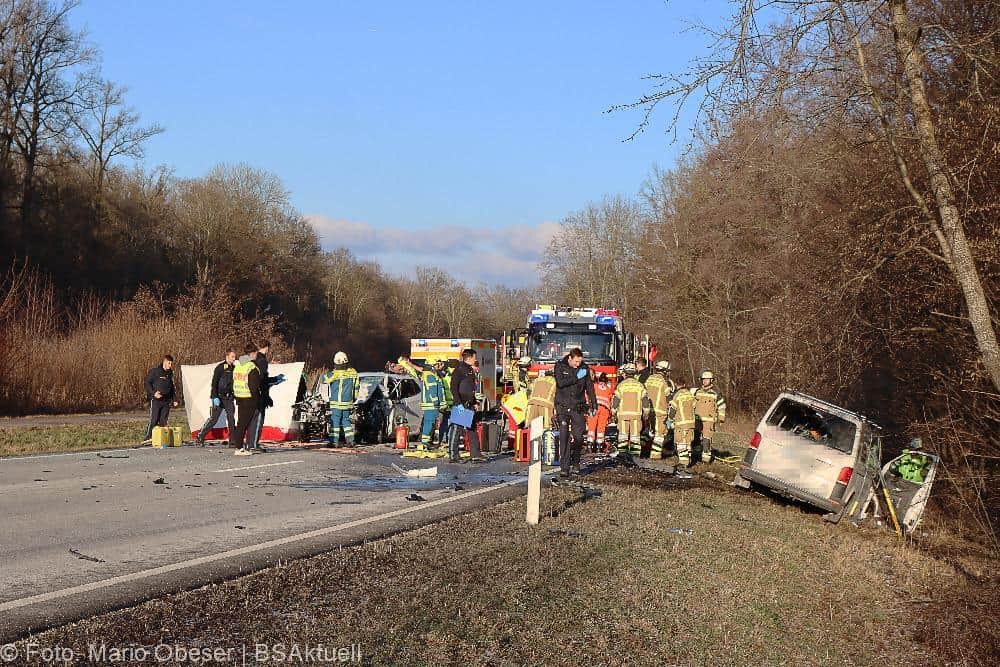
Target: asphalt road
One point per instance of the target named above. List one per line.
(94, 531)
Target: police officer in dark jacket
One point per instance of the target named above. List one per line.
(160, 392)
(222, 396)
(575, 397)
(464, 390)
(266, 382)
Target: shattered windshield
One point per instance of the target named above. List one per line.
(369, 383)
(813, 425)
(553, 344)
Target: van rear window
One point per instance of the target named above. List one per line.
(813, 425)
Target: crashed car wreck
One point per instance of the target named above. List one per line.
(831, 458)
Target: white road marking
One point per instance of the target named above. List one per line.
(265, 465)
(165, 569)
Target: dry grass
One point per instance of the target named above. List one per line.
(93, 355)
(75, 437)
(597, 582)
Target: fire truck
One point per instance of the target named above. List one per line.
(552, 331)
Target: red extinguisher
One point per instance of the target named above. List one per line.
(402, 436)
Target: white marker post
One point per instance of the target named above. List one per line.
(535, 471)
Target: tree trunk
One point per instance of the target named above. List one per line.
(963, 265)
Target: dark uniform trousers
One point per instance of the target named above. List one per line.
(229, 406)
(572, 432)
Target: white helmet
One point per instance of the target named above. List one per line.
(707, 375)
(662, 365)
(524, 361)
(340, 358)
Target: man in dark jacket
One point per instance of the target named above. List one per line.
(463, 391)
(642, 366)
(160, 392)
(575, 398)
(222, 397)
(247, 388)
(266, 382)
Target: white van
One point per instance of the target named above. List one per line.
(821, 454)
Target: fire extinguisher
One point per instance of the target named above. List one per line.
(402, 436)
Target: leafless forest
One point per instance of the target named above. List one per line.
(832, 228)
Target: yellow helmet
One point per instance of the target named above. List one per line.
(707, 375)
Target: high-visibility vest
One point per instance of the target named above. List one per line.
(241, 378)
(682, 408)
(430, 391)
(659, 393)
(604, 394)
(543, 392)
(344, 384)
(709, 404)
(630, 394)
(449, 400)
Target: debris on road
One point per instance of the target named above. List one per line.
(159, 480)
(681, 531)
(417, 472)
(555, 532)
(111, 456)
(415, 497)
(240, 527)
(81, 556)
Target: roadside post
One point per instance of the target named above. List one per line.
(535, 471)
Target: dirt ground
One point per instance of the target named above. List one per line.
(611, 576)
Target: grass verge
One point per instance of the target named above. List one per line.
(603, 581)
(23, 440)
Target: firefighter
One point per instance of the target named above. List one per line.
(519, 373)
(598, 422)
(444, 372)
(344, 384)
(407, 367)
(630, 402)
(542, 402)
(682, 422)
(431, 400)
(709, 409)
(659, 388)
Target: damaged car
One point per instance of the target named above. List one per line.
(831, 458)
(385, 400)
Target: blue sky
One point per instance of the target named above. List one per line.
(396, 125)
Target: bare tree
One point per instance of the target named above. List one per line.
(813, 43)
(110, 129)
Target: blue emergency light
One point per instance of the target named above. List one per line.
(539, 319)
(607, 320)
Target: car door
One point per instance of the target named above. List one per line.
(410, 393)
(909, 498)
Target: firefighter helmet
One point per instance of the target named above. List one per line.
(340, 358)
(524, 361)
(628, 370)
(662, 366)
(707, 375)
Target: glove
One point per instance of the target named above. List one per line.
(582, 373)
(278, 379)
(669, 423)
(216, 402)
(592, 412)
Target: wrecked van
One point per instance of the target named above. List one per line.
(831, 458)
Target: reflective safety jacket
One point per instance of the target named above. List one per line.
(912, 466)
(344, 383)
(604, 393)
(431, 391)
(543, 392)
(709, 404)
(246, 379)
(630, 398)
(445, 376)
(682, 408)
(659, 390)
